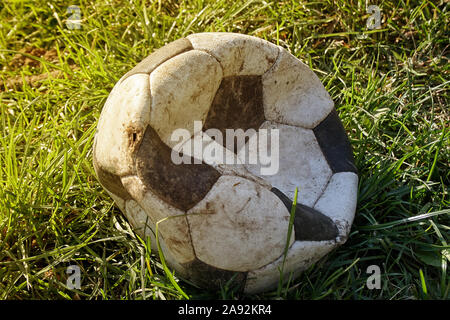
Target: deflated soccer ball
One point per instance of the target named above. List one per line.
(208, 138)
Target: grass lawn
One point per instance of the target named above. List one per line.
(390, 86)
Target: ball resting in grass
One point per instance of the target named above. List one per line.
(227, 222)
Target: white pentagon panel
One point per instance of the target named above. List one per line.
(118, 200)
(171, 260)
(339, 201)
(301, 255)
(239, 225)
(123, 120)
(174, 229)
(201, 147)
(237, 53)
(139, 220)
(301, 163)
(144, 228)
(293, 94)
(183, 89)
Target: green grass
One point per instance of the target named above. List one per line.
(390, 87)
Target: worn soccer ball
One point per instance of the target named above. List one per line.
(225, 222)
